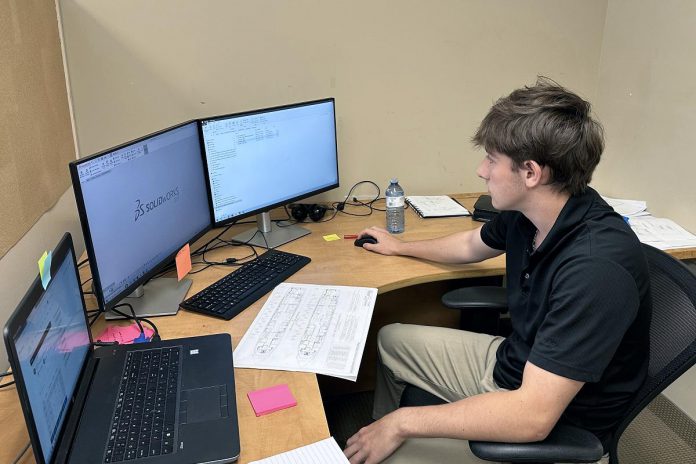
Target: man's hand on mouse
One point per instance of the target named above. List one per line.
(386, 244)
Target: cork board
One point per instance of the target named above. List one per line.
(36, 141)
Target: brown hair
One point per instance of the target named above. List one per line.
(548, 124)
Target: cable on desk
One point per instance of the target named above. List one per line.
(137, 320)
(3, 375)
(21, 453)
(210, 245)
(96, 316)
(340, 206)
(205, 245)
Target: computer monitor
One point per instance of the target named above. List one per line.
(259, 160)
(139, 204)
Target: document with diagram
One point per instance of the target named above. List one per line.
(309, 328)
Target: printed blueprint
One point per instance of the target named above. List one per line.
(309, 328)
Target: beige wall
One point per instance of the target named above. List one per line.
(412, 79)
(647, 101)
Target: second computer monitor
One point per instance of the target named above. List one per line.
(139, 203)
(262, 159)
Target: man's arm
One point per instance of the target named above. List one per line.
(523, 415)
(460, 247)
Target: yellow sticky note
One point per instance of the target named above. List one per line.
(45, 268)
(331, 238)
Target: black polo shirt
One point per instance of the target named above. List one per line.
(580, 307)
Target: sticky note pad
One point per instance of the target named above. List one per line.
(331, 238)
(271, 399)
(45, 268)
(183, 262)
(125, 335)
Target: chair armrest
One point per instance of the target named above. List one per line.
(565, 443)
(477, 298)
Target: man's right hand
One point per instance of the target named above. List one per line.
(386, 244)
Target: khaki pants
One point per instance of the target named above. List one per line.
(451, 364)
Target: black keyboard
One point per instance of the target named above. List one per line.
(144, 420)
(233, 293)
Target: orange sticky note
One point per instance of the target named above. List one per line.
(183, 262)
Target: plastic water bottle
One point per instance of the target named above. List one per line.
(395, 207)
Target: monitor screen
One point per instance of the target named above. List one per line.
(139, 204)
(266, 158)
(51, 348)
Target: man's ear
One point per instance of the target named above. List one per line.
(534, 173)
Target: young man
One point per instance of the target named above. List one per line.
(578, 295)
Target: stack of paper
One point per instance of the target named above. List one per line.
(309, 328)
(322, 452)
(628, 208)
(662, 233)
(658, 232)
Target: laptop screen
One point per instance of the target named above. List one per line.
(51, 348)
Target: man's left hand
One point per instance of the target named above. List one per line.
(375, 442)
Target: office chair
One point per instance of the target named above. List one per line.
(672, 352)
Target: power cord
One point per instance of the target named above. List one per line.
(370, 204)
(340, 206)
(137, 320)
(21, 453)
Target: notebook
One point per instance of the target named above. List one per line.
(180, 409)
(436, 206)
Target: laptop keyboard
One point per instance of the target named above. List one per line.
(144, 419)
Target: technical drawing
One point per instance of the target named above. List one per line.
(318, 326)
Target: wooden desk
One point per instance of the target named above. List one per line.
(333, 263)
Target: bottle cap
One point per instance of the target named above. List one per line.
(394, 180)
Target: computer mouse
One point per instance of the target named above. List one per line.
(360, 241)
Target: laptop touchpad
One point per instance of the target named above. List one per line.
(203, 404)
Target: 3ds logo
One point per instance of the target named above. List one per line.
(143, 208)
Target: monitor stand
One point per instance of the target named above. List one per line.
(158, 297)
(270, 235)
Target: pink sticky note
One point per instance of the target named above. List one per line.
(271, 399)
(123, 335)
(183, 262)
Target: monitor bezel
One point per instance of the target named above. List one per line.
(16, 323)
(86, 231)
(271, 206)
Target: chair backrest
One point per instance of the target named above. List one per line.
(672, 332)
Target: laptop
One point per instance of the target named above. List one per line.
(169, 401)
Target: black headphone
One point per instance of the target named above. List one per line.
(300, 212)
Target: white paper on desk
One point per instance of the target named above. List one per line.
(628, 208)
(309, 328)
(325, 451)
(662, 233)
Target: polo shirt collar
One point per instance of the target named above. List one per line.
(572, 214)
